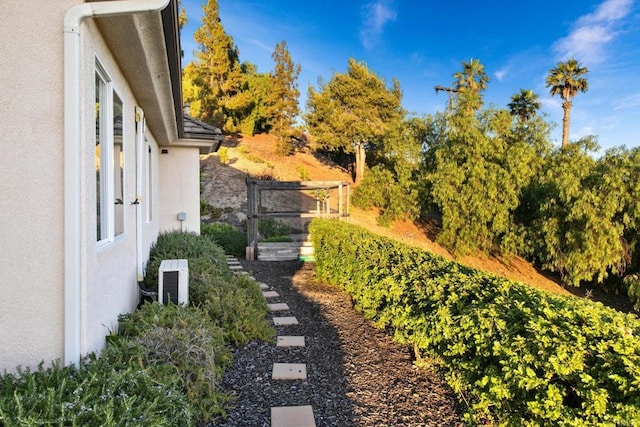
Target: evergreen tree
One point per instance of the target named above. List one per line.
(283, 105)
(353, 112)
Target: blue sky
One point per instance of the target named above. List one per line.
(422, 43)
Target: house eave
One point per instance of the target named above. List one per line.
(204, 146)
(151, 65)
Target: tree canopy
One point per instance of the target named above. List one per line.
(353, 112)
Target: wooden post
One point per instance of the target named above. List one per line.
(252, 226)
(340, 199)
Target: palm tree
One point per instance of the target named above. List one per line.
(472, 76)
(524, 105)
(565, 80)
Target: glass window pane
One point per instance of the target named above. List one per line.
(101, 219)
(118, 165)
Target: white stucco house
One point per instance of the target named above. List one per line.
(95, 163)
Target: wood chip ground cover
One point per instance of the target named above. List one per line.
(356, 375)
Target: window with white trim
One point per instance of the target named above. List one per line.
(109, 158)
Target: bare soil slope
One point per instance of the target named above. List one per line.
(223, 186)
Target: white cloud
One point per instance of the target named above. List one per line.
(628, 102)
(591, 33)
(499, 75)
(554, 104)
(375, 16)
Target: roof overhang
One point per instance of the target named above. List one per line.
(205, 147)
(152, 66)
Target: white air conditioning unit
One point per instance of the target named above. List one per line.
(173, 276)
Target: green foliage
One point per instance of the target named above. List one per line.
(282, 103)
(234, 303)
(186, 338)
(632, 282)
(108, 391)
(232, 240)
(182, 245)
(478, 173)
(517, 355)
(304, 173)
(164, 369)
(222, 90)
(239, 309)
(584, 213)
(270, 227)
(353, 112)
(223, 155)
(392, 185)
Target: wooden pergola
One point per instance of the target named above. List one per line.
(323, 208)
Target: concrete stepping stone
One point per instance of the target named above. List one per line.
(235, 267)
(289, 371)
(264, 286)
(284, 321)
(271, 294)
(290, 341)
(292, 416)
(280, 306)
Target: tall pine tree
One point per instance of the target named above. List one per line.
(283, 105)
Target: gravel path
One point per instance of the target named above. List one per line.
(356, 376)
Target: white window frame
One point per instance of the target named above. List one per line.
(107, 170)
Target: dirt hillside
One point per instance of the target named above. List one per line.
(223, 187)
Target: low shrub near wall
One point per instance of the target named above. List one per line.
(517, 355)
(164, 367)
(110, 390)
(232, 240)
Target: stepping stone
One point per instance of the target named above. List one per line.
(289, 371)
(281, 306)
(284, 321)
(271, 294)
(264, 286)
(292, 416)
(235, 267)
(290, 341)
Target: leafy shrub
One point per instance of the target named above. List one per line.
(238, 308)
(632, 282)
(110, 390)
(234, 303)
(223, 155)
(304, 173)
(520, 356)
(164, 368)
(182, 245)
(186, 338)
(269, 227)
(233, 241)
(381, 189)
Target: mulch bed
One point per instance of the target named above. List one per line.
(356, 375)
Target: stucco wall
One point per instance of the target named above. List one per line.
(180, 188)
(110, 288)
(32, 191)
(31, 182)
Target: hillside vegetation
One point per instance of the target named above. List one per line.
(224, 189)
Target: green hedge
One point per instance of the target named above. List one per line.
(517, 355)
(232, 240)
